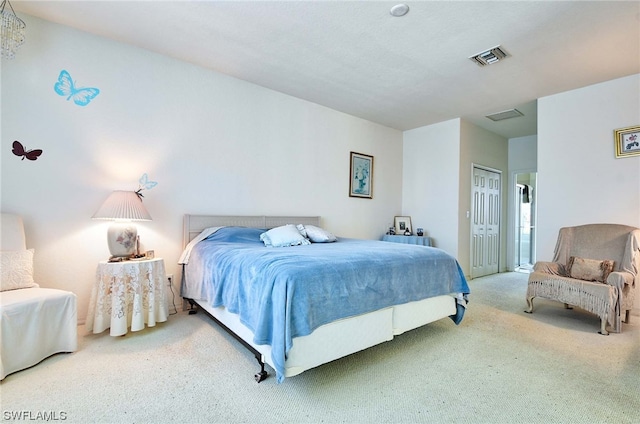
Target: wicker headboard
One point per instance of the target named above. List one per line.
(194, 224)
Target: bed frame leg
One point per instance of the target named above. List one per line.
(262, 374)
(193, 306)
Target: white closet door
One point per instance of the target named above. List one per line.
(485, 222)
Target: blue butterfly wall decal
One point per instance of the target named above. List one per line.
(145, 184)
(65, 87)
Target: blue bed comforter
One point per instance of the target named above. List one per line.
(286, 292)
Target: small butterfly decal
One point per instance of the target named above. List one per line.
(65, 87)
(145, 184)
(19, 150)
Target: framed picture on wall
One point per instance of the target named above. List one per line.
(402, 224)
(627, 141)
(361, 176)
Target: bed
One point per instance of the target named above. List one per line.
(298, 307)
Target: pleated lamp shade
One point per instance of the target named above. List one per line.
(122, 236)
(123, 205)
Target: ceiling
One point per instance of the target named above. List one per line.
(402, 72)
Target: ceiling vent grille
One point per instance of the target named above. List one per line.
(489, 57)
(505, 114)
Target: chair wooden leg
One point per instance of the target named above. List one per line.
(529, 305)
(603, 327)
(627, 316)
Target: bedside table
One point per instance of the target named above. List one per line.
(419, 240)
(128, 294)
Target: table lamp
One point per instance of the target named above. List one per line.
(123, 207)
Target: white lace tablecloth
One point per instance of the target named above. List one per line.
(126, 295)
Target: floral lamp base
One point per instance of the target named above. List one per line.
(122, 237)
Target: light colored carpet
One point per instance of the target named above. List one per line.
(499, 365)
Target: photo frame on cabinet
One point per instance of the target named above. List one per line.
(361, 176)
(402, 224)
(627, 141)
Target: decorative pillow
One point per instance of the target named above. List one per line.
(589, 269)
(238, 235)
(286, 235)
(316, 234)
(16, 269)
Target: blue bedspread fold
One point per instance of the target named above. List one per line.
(286, 292)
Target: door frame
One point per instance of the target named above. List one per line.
(471, 250)
(511, 217)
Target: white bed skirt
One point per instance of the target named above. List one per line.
(346, 336)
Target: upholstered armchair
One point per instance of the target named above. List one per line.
(35, 322)
(595, 267)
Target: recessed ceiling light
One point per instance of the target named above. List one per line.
(399, 10)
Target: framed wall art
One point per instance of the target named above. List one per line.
(627, 141)
(402, 224)
(361, 176)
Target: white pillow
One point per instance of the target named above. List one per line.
(316, 234)
(286, 235)
(16, 269)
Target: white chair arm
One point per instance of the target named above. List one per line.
(619, 279)
(553, 268)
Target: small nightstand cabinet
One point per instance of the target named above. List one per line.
(419, 240)
(128, 294)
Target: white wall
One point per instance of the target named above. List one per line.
(523, 155)
(430, 175)
(214, 144)
(437, 181)
(480, 147)
(580, 181)
(223, 146)
(523, 159)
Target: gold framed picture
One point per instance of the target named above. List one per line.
(627, 141)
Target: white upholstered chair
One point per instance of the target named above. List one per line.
(596, 267)
(35, 322)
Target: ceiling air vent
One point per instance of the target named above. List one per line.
(505, 114)
(490, 56)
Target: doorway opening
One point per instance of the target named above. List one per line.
(525, 222)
